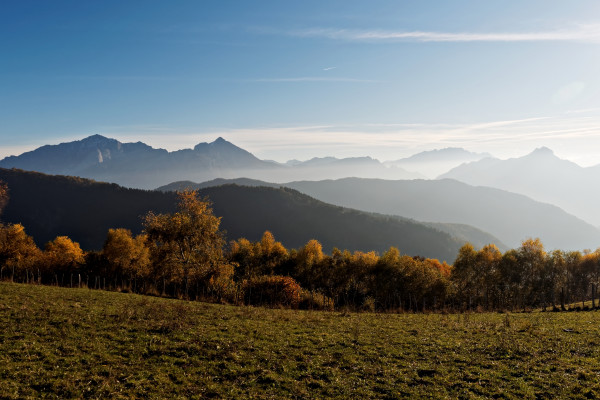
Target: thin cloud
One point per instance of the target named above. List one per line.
(313, 79)
(582, 33)
(329, 68)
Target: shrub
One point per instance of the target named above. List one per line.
(273, 290)
(310, 300)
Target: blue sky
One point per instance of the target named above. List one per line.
(308, 78)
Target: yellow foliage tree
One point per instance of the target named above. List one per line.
(62, 255)
(187, 245)
(308, 263)
(18, 251)
(3, 195)
(260, 258)
(127, 255)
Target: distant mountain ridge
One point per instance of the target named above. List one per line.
(463, 232)
(542, 176)
(432, 163)
(510, 217)
(138, 165)
(134, 164)
(50, 205)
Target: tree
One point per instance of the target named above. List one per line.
(242, 255)
(531, 257)
(62, 255)
(463, 273)
(308, 264)
(272, 253)
(487, 263)
(187, 245)
(3, 195)
(555, 278)
(127, 255)
(260, 258)
(18, 251)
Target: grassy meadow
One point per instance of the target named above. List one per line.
(80, 343)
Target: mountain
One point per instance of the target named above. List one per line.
(333, 168)
(138, 165)
(542, 176)
(494, 215)
(463, 232)
(435, 162)
(508, 216)
(183, 185)
(84, 210)
(320, 161)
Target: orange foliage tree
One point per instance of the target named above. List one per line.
(127, 256)
(18, 251)
(62, 256)
(3, 195)
(187, 246)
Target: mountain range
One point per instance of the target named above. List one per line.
(542, 176)
(510, 217)
(135, 164)
(138, 165)
(436, 162)
(49, 206)
(481, 200)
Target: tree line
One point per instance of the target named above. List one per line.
(184, 254)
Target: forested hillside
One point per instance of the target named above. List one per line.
(184, 254)
(462, 232)
(509, 216)
(84, 210)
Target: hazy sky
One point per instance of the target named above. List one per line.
(297, 79)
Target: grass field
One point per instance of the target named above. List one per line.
(79, 343)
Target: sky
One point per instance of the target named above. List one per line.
(299, 79)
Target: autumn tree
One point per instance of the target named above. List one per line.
(3, 195)
(62, 256)
(18, 251)
(572, 262)
(272, 253)
(127, 255)
(555, 278)
(308, 264)
(593, 267)
(260, 258)
(187, 246)
(487, 274)
(531, 257)
(585, 274)
(463, 273)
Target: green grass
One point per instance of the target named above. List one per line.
(79, 343)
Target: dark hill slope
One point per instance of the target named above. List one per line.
(84, 210)
(55, 205)
(295, 218)
(510, 217)
(463, 232)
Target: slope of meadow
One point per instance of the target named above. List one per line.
(80, 343)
